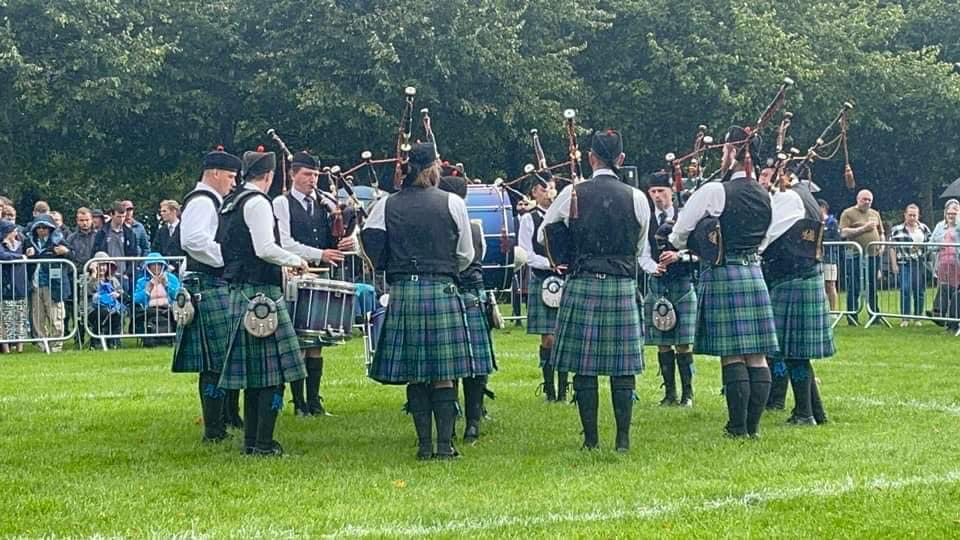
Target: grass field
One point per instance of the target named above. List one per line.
(107, 444)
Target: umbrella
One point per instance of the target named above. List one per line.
(952, 191)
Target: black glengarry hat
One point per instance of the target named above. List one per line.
(661, 179)
(454, 184)
(607, 145)
(305, 160)
(258, 162)
(224, 161)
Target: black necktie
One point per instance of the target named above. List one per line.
(662, 219)
(309, 203)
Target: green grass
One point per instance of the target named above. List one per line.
(108, 444)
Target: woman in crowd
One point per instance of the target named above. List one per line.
(14, 285)
(106, 309)
(948, 264)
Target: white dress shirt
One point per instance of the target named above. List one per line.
(525, 240)
(786, 208)
(198, 229)
(709, 200)
(259, 218)
(281, 209)
(647, 264)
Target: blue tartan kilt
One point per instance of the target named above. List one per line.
(424, 335)
(481, 344)
(541, 320)
(734, 316)
(599, 330)
(254, 362)
(684, 299)
(202, 345)
(802, 317)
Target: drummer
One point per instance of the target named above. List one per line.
(305, 229)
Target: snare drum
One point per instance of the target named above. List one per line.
(322, 309)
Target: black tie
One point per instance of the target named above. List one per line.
(309, 202)
(662, 219)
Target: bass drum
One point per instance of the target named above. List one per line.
(491, 206)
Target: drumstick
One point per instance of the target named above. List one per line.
(318, 269)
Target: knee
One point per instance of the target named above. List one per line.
(585, 382)
(683, 349)
(442, 384)
(623, 382)
(756, 360)
(547, 341)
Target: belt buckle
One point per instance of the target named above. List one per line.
(198, 297)
(600, 275)
(415, 277)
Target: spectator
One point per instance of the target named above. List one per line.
(106, 309)
(8, 213)
(117, 239)
(861, 224)
(5, 201)
(831, 256)
(948, 265)
(81, 241)
(908, 262)
(140, 233)
(98, 219)
(40, 208)
(170, 220)
(14, 315)
(57, 218)
(51, 284)
(154, 293)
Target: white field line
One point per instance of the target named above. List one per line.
(932, 406)
(646, 511)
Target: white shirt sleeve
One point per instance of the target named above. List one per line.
(559, 211)
(258, 215)
(641, 209)
(198, 229)
(376, 215)
(525, 240)
(709, 200)
(281, 209)
(786, 208)
(465, 251)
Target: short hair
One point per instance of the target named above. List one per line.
(823, 204)
(55, 213)
(911, 206)
(41, 207)
(170, 204)
(118, 208)
(84, 210)
(5, 201)
(259, 177)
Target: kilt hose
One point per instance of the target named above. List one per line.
(424, 336)
(541, 319)
(253, 362)
(202, 345)
(481, 344)
(598, 327)
(681, 294)
(802, 318)
(734, 316)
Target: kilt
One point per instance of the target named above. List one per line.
(202, 345)
(802, 317)
(253, 362)
(734, 315)
(598, 327)
(481, 345)
(424, 335)
(540, 318)
(684, 299)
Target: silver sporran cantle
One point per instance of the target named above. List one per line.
(260, 319)
(551, 290)
(664, 316)
(183, 310)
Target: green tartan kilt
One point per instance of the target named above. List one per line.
(202, 345)
(424, 335)
(481, 344)
(541, 319)
(598, 327)
(253, 362)
(734, 315)
(802, 317)
(684, 299)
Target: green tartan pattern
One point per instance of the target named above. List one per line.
(684, 299)
(734, 315)
(424, 335)
(540, 318)
(598, 327)
(202, 345)
(481, 344)
(253, 362)
(802, 317)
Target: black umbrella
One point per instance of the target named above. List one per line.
(952, 191)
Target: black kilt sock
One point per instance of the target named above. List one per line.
(778, 386)
(816, 404)
(418, 405)
(736, 390)
(473, 391)
(800, 379)
(585, 390)
(759, 393)
(621, 391)
(269, 404)
(314, 374)
(231, 409)
(685, 368)
(251, 399)
(667, 361)
(562, 385)
(444, 403)
(211, 403)
(299, 400)
(548, 388)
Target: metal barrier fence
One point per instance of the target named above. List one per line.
(843, 280)
(37, 302)
(912, 283)
(121, 297)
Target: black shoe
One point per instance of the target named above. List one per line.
(686, 401)
(562, 386)
(471, 433)
(801, 421)
(547, 392)
(272, 450)
(300, 409)
(668, 401)
(316, 407)
(216, 440)
(248, 450)
(733, 435)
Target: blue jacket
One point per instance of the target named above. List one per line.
(57, 277)
(140, 296)
(14, 279)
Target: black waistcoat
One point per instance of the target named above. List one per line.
(313, 231)
(421, 234)
(746, 215)
(605, 234)
(241, 264)
(798, 250)
(538, 248)
(677, 270)
(176, 249)
(472, 277)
